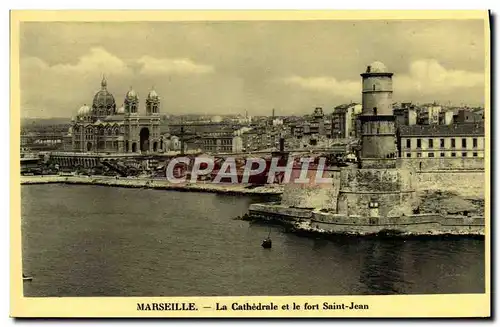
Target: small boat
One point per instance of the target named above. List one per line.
(27, 278)
(267, 243)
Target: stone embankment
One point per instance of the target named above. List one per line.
(161, 184)
(317, 222)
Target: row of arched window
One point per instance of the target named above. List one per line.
(101, 130)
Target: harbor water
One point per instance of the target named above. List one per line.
(85, 240)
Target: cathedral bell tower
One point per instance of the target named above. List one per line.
(131, 102)
(378, 132)
(152, 103)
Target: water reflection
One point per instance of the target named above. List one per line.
(381, 268)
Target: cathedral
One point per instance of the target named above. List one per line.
(106, 129)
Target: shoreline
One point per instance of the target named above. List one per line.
(318, 224)
(151, 183)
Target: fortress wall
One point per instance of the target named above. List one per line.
(462, 182)
(280, 211)
(424, 224)
(452, 220)
(447, 163)
(391, 189)
(376, 180)
(389, 204)
(427, 228)
(464, 176)
(312, 195)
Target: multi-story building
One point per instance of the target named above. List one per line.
(202, 128)
(340, 122)
(297, 130)
(437, 141)
(344, 120)
(429, 115)
(446, 118)
(405, 115)
(314, 126)
(466, 116)
(215, 144)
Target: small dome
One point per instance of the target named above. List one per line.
(376, 67)
(84, 111)
(120, 111)
(131, 94)
(152, 94)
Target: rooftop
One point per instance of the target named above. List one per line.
(470, 129)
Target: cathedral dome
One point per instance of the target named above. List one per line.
(152, 94)
(131, 94)
(103, 99)
(84, 111)
(376, 67)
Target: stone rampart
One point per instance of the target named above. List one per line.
(437, 164)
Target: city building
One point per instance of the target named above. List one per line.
(466, 116)
(429, 115)
(40, 136)
(438, 141)
(446, 117)
(213, 144)
(312, 127)
(406, 114)
(344, 119)
(106, 128)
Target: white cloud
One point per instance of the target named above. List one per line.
(97, 60)
(428, 76)
(62, 88)
(425, 77)
(325, 84)
(154, 66)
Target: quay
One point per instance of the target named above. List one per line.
(320, 223)
(159, 184)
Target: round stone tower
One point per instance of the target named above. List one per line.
(378, 134)
(377, 188)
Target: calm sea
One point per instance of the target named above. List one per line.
(105, 241)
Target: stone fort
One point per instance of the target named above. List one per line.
(384, 184)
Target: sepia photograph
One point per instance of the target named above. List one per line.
(251, 159)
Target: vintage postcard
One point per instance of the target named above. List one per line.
(250, 164)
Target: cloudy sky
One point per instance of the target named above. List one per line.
(231, 67)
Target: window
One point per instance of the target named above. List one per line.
(419, 154)
(442, 154)
(474, 154)
(419, 143)
(464, 154)
(474, 142)
(453, 154)
(431, 155)
(441, 141)
(431, 143)
(453, 144)
(464, 143)
(408, 155)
